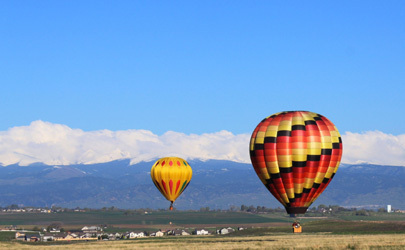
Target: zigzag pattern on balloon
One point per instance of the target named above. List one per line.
(296, 154)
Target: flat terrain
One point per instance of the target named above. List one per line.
(273, 230)
(276, 241)
(140, 221)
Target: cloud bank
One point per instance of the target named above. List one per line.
(56, 144)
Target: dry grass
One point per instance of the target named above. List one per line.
(280, 241)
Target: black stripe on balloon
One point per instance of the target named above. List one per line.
(252, 153)
(259, 146)
(291, 200)
(316, 185)
(270, 139)
(298, 127)
(325, 180)
(310, 122)
(340, 140)
(269, 181)
(317, 118)
(332, 175)
(284, 133)
(299, 164)
(298, 195)
(336, 145)
(275, 176)
(313, 157)
(285, 170)
(326, 151)
(306, 190)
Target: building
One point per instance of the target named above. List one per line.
(133, 235)
(201, 231)
(225, 230)
(157, 234)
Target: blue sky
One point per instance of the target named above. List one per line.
(198, 67)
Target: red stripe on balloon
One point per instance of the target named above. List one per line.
(171, 186)
(177, 186)
(164, 186)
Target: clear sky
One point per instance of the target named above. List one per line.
(198, 67)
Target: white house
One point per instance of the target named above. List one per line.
(133, 235)
(201, 232)
(91, 229)
(225, 230)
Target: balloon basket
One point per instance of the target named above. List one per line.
(297, 229)
(296, 226)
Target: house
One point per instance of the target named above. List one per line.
(20, 236)
(47, 237)
(70, 237)
(59, 236)
(114, 236)
(118, 236)
(201, 231)
(157, 234)
(91, 229)
(54, 230)
(33, 237)
(133, 235)
(184, 233)
(175, 232)
(225, 230)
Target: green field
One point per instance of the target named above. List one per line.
(137, 220)
(337, 223)
(271, 230)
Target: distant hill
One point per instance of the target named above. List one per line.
(215, 184)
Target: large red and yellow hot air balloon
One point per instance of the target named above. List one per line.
(171, 175)
(296, 154)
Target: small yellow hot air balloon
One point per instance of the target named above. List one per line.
(171, 175)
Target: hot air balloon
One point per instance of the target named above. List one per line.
(296, 154)
(171, 175)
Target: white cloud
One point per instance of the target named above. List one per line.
(374, 147)
(57, 144)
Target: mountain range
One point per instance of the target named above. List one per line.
(215, 184)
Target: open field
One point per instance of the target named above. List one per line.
(273, 230)
(140, 221)
(271, 241)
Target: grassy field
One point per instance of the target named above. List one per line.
(380, 231)
(271, 241)
(117, 219)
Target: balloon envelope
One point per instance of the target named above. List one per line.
(296, 154)
(171, 175)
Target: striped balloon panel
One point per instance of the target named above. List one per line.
(295, 154)
(171, 176)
